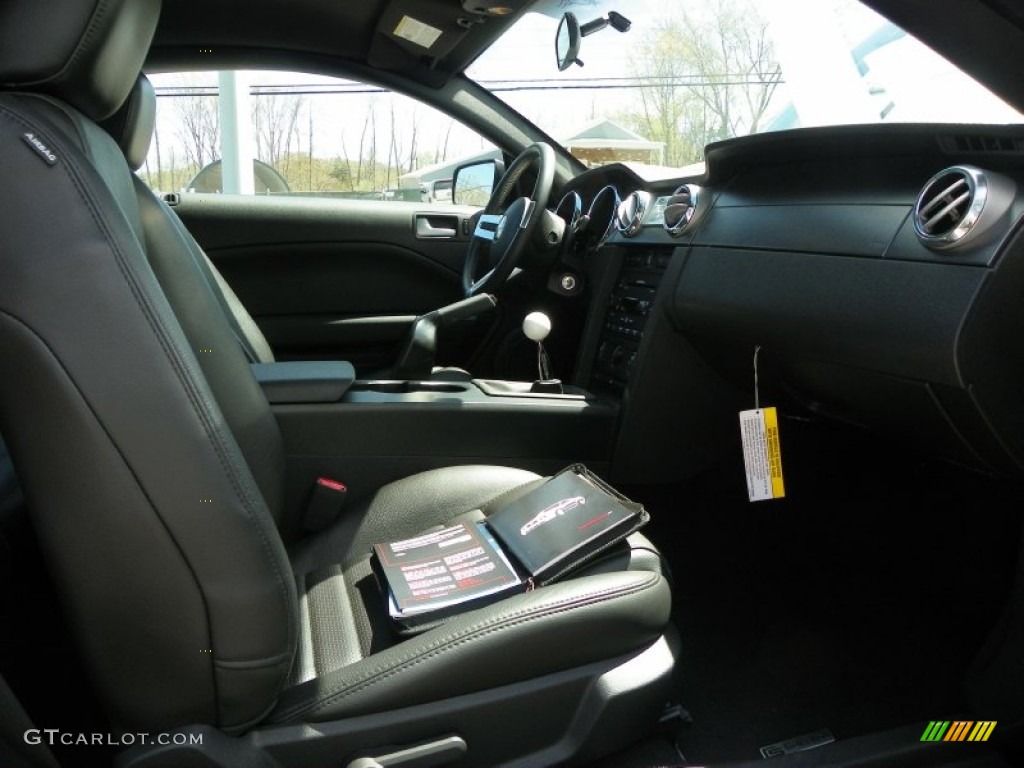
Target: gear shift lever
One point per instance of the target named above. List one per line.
(536, 327)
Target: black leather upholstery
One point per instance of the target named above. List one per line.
(15, 751)
(519, 638)
(177, 261)
(11, 499)
(155, 529)
(407, 507)
(132, 128)
(133, 124)
(85, 52)
(153, 466)
(347, 663)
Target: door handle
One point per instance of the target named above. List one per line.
(436, 227)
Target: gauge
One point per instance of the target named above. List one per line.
(602, 213)
(570, 210)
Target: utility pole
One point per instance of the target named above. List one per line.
(236, 150)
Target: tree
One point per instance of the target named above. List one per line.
(275, 118)
(198, 125)
(704, 79)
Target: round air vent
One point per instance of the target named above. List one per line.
(681, 209)
(958, 204)
(630, 216)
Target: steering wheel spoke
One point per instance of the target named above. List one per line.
(487, 226)
(505, 227)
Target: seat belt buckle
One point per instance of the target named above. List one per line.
(326, 500)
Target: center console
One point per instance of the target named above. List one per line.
(366, 433)
(629, 306)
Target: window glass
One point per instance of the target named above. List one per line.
(691, 72)
(303, 135)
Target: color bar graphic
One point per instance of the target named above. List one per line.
(958, 730)
(982, 730)
(935, 731)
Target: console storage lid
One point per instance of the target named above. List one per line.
(304, 381)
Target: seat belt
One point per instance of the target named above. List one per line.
(324, 505)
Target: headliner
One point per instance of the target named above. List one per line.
(358, 32)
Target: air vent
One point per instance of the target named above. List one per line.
(958, 204)
(630, 216)
(681, 209)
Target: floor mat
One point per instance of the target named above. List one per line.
(854, 604)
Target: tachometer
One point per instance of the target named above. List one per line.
(570, 210)
(601, 216)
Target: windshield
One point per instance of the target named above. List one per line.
(690, 72)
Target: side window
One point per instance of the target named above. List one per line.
(302, 135)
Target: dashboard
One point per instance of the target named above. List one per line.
(879, 269)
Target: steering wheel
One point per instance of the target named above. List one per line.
(506, 226)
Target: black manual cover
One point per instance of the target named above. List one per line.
(564, 522)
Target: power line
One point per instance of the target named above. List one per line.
(634, 86)
(502, 86)
(630, 78)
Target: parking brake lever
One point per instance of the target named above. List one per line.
(416, 362)
(460, 310)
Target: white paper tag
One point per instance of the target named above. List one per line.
(417, 32)
(762, 455)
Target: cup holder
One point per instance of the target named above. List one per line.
(405, 387)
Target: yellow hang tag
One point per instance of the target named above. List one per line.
(762, 454)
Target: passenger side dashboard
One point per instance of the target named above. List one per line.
(809, 251)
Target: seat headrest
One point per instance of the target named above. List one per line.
(132, 125)
(85, 52)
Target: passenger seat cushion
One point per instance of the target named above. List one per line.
(350, 660)
(562, 626)
(408, 507)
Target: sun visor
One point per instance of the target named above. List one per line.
(431, 39)
(419, 29)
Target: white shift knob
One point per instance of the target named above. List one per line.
(536, 326)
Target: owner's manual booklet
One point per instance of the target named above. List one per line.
(437, 573)
(564, 523)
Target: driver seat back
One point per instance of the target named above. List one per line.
(157, 526)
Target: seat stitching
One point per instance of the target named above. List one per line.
(178, 365)
(263, 661)
(454, 641)
(116, 448)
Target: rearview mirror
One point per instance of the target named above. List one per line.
(570, 33)
(567, 42)
(473, 183)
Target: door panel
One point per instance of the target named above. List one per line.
(333, 278)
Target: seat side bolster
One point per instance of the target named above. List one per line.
(558, 627)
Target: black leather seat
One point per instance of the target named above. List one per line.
(11, 499)
(155, 478)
